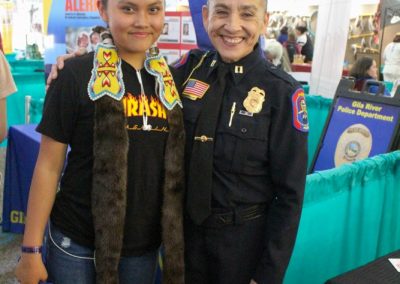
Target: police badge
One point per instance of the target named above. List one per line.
(354, 144)
(254, 100)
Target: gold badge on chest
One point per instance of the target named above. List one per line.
(254, 100)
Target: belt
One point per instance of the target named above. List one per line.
(235, 216)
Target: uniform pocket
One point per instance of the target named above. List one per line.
(244, 146)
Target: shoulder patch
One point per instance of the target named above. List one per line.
(300, 116)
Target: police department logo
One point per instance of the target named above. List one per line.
(352, 149)
(300, 114)
(354, 144)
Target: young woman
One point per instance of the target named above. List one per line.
(365, 68)
(121, 192)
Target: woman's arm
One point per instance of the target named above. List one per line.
(42, 194)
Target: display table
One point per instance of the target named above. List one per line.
(305, 67)
(380, 271)
(301, 67)
(22, 152)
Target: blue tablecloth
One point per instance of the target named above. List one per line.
(22, 152)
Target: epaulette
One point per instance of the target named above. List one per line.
(278, 72)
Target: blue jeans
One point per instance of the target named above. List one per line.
(67, 262)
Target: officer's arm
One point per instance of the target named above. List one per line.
(288, 164)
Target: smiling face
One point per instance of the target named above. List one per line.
(134, 24)
(234, 26)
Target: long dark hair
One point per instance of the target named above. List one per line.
(360, 67)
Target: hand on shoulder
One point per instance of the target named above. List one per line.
(60, 64)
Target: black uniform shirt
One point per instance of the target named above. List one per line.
(260, 155)
(252, 145)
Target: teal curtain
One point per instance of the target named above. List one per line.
(318, 109)
(350, 217)
(30, 80)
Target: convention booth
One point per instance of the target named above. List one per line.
(350, 212)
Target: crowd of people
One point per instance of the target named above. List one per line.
(282, 49)
(365, 69)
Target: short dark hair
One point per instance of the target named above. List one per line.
(284, 30)
(360, 67)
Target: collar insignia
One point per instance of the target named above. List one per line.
(238, 69)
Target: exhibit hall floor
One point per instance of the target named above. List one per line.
(9, 242)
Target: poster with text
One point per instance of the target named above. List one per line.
(357, 129)
(68, 26)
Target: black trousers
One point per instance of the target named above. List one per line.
(223, 255)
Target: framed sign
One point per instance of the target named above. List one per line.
(359, 125)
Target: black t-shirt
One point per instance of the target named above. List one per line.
(68, 118)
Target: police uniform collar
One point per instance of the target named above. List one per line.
(240, 68)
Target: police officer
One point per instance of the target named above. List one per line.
(246, 152)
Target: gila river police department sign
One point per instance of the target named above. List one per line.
(359, 126)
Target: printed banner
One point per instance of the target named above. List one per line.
(6, 9)
(68, 25)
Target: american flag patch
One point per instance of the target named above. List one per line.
(195, 89)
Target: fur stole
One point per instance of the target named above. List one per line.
(111, 144)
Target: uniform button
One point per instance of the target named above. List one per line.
(243, 130)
